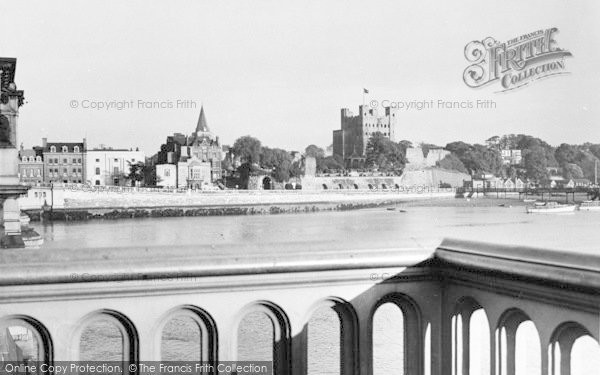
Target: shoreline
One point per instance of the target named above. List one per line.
(115, 213)
(271, 208)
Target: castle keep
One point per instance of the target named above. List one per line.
(350, 142)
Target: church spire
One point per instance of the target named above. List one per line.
(202, 127)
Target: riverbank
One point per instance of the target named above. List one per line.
(82, 214)
(224, 204)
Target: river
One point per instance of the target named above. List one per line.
(400, 226)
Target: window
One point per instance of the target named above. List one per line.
(74, 170)
(97, 182)
(65, 170)
(116, 170)
(53, 149)
(56, 161)
(65, 149)
(97, 160)
(38, 159)
(167, 173)
(79, 161)
(116, 160)
(76, 149)
(97, 171)
(64, 161)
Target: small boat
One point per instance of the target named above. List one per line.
(550, 207)
(529, 200)
(590, 206)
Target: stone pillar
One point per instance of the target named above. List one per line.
(10, 189)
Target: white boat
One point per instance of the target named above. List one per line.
(590, 206)
(550, 208)
(529, 200)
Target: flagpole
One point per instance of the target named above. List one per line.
(363, 99)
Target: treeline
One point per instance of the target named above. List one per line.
(381, 154)
(539, 158)
(255, 157)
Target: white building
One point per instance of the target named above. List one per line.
(166, 175)
(110, 167)
(512, 157)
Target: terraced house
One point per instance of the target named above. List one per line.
(64, 162)
(31, 166)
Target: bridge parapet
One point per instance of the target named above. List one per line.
(466, 308)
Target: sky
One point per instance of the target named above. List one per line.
(281, 70)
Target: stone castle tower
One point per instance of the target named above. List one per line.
(350, 142)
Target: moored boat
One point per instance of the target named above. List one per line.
(590, 206)
(550, 207)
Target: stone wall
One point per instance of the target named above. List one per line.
(430, 177)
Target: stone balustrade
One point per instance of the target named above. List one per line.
(465, 307)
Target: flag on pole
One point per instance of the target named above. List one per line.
(365, 91)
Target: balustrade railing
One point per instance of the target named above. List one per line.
(465, 308)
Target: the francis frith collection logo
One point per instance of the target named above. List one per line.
(516, 62)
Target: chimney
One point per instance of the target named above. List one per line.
(44, 142)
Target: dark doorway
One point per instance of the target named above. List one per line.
(266, 183)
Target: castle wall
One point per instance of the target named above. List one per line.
(428, 177)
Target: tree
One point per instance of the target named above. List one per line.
(296, 169)
(139, 172)
(571, 170)
(314, 151)
(481, 159)
(278, 161)
(587, 162)
(244, 172)
(535, 163)
(426, 147)
(452, 162)
(383, 154)
(459, 148)
(248, 149)
(566, 154)
(332, 163)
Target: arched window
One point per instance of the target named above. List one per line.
(107, 336)
(331, 338)
(38, 159)
(65, 149)
(52, 148)
(29, 339)
(188, 334)
(263, 333)
(76, 149)
(398, 336)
